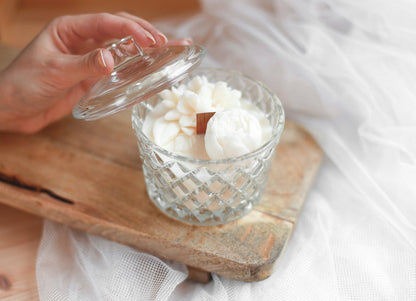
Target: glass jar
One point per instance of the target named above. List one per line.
(200, 192)
(210, 192)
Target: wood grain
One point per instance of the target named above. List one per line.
(202, 122)
(19, 238)
(87, 175)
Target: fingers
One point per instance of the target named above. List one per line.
(80, 67)
(72, 76)
(73, 30)
(161, 39)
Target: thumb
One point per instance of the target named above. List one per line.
(95, 63)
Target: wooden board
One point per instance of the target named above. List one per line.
(87, 175)
(20, 234)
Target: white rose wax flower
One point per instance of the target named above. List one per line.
(232, 133)
(237, 128)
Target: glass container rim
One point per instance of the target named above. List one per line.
(277, 129)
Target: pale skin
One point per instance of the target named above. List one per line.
(51, 74)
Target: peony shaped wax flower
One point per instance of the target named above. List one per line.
(172, 123)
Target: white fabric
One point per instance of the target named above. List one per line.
(344, 69)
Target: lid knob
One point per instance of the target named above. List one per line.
(138, 74)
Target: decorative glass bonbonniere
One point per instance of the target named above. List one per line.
(210, 192)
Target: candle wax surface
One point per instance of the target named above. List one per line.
(237, 128)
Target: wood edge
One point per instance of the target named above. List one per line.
(109, 230)
(310, 178)
(246, 272)
(262, 272)
(198, 275)
(308, 182)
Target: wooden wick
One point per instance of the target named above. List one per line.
(202, 121)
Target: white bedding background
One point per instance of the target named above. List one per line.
(346, 70)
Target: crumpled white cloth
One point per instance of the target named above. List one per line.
(344, 69)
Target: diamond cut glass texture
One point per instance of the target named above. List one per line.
(210, 192)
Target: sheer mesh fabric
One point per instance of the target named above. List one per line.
(346, 70)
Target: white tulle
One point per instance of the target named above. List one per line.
(346, 70)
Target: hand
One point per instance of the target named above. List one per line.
(52, 73)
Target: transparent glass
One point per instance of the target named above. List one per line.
(210, 192)
(138, 74)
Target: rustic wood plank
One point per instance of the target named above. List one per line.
(300, 157)
(19, 238)
(87, 175)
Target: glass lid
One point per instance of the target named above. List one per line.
(137, 75)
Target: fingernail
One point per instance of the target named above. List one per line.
(106, 60)
(102, 61)
(150, 38)
(163, 37)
